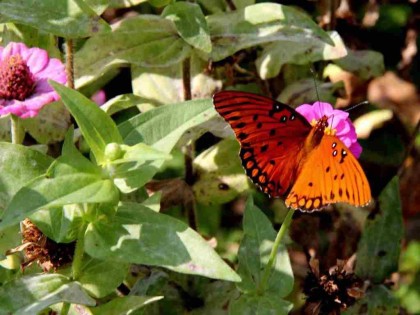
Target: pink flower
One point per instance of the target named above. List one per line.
(339, 123)
(24, 75)
(99, 97)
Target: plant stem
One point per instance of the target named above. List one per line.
(189, 148)
(78, 252)
(268, 268)
(65, 308)
(70, 63)
(15, 130)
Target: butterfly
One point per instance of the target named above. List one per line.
(287, 157)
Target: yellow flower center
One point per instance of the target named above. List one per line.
(328, 130)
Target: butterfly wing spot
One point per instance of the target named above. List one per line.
(279, 143)
(292, 117)
(262, 178)
(249, 164)
(255, 172)
(283, 119)
(264, 148)
(272, 162)
(327, 169)
(302, 202)
(240, 125)
(243, 136)
(272, 132)
(317, 203)
(343, 155)
(259, 125)
(310, 184)
(308, 204)
(334, 145)
(255, 117)
(335, 153)
(340, 192)
(347, 194)
(234, 118)
(332, 195)
(335, 177)
(342, 176)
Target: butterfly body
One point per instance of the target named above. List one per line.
(288, 157)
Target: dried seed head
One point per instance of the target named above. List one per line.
(47, 253)
(331, 292)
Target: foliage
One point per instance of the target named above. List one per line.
(105, 179)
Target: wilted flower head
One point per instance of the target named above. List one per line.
(39, 248)
(331, 292)
(339, 123)
(24, 75)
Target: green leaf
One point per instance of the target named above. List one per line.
(304, 91)
(124, 305)
(365, 64)
(190, 23)
(66, 18)
(260, 24)
(220, 176)
(59, 191)
(262, 305)
(138, 165)
(146, 40)
(162, 127)
(31, 294)
(122, 102)
(153, 202)
(140, 235)
(60, 224)
(254, 252)
(18, 166)
(72, 161)
(163, 85)
(378, 300)
(379, 248)
(50, 125)
(97, 127)
(124, 3)
(93, 280)
(9, 238)
(216, 295)
(305, 51)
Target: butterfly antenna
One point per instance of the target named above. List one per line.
(314, 77)
(357, 105)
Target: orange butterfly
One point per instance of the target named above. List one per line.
(286, 156)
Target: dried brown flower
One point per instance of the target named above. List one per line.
(37, 247)
(331, 292)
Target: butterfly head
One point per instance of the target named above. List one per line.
(321, 125)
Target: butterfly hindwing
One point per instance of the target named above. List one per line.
(330, 174)
(271, 135)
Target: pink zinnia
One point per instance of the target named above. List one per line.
(339, 123)
(24, 75)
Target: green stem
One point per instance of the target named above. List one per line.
(78, 252)
(268, 268)
(15, 130)
(65, 308)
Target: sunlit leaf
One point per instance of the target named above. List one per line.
(140, 235)
(31, 294)
(66, 18)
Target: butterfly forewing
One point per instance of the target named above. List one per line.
(329, 175)
(271, 135)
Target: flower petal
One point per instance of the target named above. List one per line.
(36, 59)
(13, 49)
